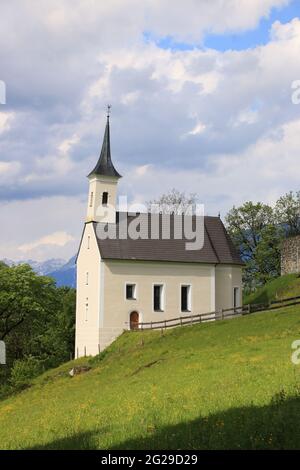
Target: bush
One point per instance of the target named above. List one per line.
(23, 371)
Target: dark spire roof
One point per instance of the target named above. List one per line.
(105, 166)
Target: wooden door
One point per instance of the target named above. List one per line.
(134, 320)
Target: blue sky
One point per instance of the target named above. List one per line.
(258, 36)
(198, 95)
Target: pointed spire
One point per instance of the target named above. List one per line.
(105, 166)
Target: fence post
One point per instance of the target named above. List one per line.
(191, 320)
(222, 314)
(249, 308)
(180, 321)
(84, 351)
(98, 348)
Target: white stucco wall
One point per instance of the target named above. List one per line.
(97, 186)
(227, 277)
(87, 323)
(145, 274)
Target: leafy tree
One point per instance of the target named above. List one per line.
(37, 319)
(257, 237)
(56, 344)
(268, 253)
(23, 296)
(174, 202)
(287, 213)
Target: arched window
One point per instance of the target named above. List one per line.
(104, 198)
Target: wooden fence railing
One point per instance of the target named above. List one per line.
(217, 315)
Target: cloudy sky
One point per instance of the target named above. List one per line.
(201, 101)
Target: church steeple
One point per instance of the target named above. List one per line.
(103, 182)
(104, 165)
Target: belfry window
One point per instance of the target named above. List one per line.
(105, 198)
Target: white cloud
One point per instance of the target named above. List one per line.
(142, 170)
(130, 98)
(233, 108)
(28, 224)
(9, 169)
(246, 116)
(190, 22)
(198, 129)
(57, 239)
(65, 146)
(264, 172)
(286, 31)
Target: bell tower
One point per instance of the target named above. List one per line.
(103, 182)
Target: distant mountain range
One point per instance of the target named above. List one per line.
(63, 273)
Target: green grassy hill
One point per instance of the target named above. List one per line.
(281, 287)
(229, 384)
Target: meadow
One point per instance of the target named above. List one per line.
(224, 385)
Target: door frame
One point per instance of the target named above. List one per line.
(140, 316)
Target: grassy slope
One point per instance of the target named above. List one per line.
(213, 386)
(281, 287)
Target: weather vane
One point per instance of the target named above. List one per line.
(108, 110)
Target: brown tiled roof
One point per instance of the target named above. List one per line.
(218, 247)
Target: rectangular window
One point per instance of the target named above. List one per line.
(158, 301)
(186, 298)
(104, 199)
(130, 291)
(236, 297)
(91, 199)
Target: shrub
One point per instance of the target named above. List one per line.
(24, 370)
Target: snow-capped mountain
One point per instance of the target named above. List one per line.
(63, 272)
(66, 274)
(40, 267)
